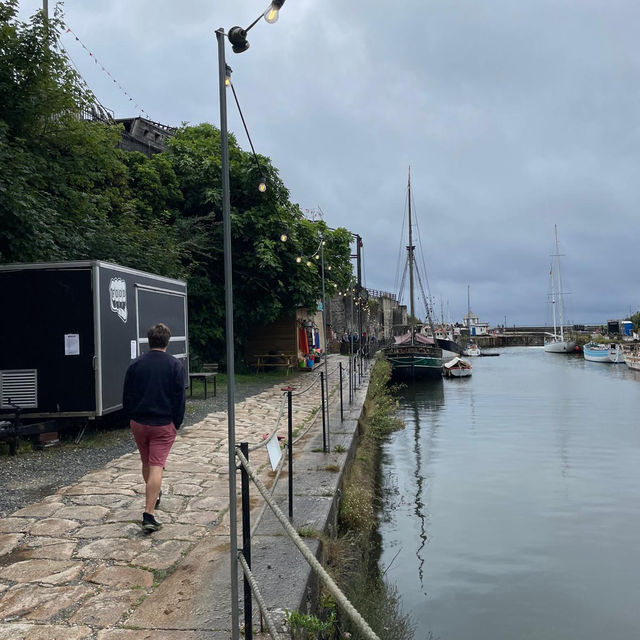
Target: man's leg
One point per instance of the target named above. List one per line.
(153, 483)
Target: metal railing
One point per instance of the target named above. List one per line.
(357, 369)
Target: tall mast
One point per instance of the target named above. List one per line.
(468, 315)
(410, 250)
(559, 290)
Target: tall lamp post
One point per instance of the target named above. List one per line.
(238, 39)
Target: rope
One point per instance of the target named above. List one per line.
(258, 596)
(301, 391)
(331, 586)
(263, 443)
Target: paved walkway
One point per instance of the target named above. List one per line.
(77, 566)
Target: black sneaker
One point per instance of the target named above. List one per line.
(149, 523)
(158, 500)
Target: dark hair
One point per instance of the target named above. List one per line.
(158, 336)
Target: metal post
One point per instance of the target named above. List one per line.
(228, 303)
(290, 448)
(326, 345)
(341, 402)
(246, 544)
(324, 432)
(351, 352)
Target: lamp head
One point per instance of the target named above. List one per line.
(283, 237)
(238, 39)
(262, 185)
(272, 12)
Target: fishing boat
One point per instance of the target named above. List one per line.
(414, 354)
(457, 368)
(611, 352)
(556, 342)
(632, 358)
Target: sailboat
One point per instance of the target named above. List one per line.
(414, 354)
(556, 342)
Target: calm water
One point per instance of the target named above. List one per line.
(513, 501)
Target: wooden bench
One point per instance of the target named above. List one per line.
(285, 360)
(204, 376)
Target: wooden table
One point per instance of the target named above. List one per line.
(287, 360)
(205, 376)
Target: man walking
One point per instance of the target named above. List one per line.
(154, 401)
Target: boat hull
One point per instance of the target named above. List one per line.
(415, 361)
(560, 346)
(632, 360)
(609, 354)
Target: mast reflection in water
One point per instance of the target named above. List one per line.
(515, 511)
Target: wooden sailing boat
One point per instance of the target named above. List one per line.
(556, 341)
(414, 354)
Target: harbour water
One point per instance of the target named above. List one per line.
(512, 501)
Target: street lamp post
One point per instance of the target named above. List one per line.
(238, 38)
(228, 302)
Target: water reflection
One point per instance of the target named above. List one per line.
(517, 506)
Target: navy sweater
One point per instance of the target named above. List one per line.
(154, 390)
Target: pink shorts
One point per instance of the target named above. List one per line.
(154, 443)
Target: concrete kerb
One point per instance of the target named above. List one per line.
(318, 479)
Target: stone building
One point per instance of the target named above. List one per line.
(144, 135)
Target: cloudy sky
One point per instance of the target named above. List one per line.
(514, 115)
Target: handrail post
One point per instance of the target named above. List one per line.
(290, 452)
(246, 543)
(341, 401)
(324, 427)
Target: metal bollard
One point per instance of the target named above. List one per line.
(324, 419)
(290, 452)
(341, 403)
(246, 544)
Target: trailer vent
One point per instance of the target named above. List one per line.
(19, 386)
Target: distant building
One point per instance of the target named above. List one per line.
(144, 135)
(476, 328)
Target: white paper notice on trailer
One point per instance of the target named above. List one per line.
(71, 344)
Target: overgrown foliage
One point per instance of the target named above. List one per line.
(67, 193)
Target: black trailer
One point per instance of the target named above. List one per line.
(70, 329)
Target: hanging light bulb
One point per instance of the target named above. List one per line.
(329, 268)
(299, 259)
(272, 13)
(317, 256)
(227, 75)
(283, 237)
(262, 185)
(309, 263)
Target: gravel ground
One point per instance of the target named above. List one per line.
(32, 475)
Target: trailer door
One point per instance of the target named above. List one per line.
(154, 305)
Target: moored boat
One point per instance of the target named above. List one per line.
(472, 350)
(457, 368)
(632, 358)
(556, 342)
(611, 352)
(414, 355)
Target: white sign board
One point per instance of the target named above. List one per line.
(274, 451)
(134, 349)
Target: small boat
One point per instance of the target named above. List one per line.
(472, 350)
(457, 368)
(556, 342)
(600, 352)
(632, 358)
